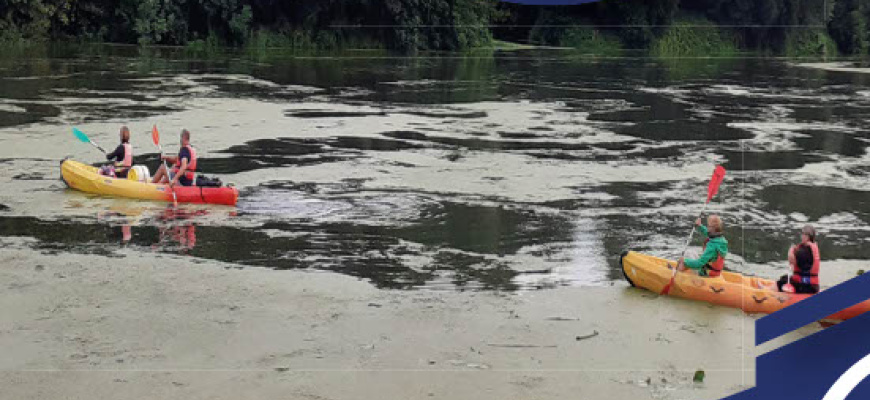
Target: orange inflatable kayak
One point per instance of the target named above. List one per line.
(753, 295)
(86, 178)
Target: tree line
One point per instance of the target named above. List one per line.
(408, 25)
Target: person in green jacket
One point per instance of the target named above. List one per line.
(712, 260)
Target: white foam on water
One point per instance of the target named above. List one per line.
(836, 67)
(732, 90)
(12, 108)
(671, 90)
(799, 217)
(414, 83)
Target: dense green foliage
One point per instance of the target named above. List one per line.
(667, 27)
(694, 37)
(398, 24)
(849, 27)
(704, 27)
(554, 29)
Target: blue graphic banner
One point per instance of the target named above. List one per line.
(828, 365)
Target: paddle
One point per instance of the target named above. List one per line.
(788, 287)
(84, 138)
(712, 188)
(155, 136)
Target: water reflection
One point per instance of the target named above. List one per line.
(177, 230)
(175, 227)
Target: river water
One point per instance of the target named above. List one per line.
(483, 171)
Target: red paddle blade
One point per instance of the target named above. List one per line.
(155, 136)
(715, 181)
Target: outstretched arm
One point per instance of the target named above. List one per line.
(705, 258)
(116, 155)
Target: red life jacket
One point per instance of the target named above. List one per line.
(715, 267)
(812, 278)
(190, 173)
(127, 162)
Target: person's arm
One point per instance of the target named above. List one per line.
(791, 260)
(181, 170)
(170, 159)
(116, 155)
(705, 258)
(702, 230)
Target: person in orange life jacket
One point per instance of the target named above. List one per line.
(804, 259)
(123, 154)
(712, 260)
(184, 165)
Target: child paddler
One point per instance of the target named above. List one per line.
(712, 260)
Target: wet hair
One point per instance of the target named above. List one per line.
(185, 135)
(125, 134)
(809, 231)
(803, 256)
(714, 223)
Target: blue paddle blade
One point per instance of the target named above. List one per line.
(81, 135)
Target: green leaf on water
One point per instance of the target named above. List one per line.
(699, 376)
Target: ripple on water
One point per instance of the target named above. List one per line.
(767, 160)
(683, 130)
(816, 201)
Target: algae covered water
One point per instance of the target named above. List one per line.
(510, 170)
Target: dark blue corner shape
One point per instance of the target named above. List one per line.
(550, 2)
(815, 308)
(807, 368)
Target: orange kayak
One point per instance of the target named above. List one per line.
(751, 294)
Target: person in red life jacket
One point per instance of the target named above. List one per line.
(712, 260)
(804, 260)
(184, 165)
(123, 154)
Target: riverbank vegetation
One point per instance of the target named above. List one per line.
(669, 28)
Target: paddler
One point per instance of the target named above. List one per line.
(804, 260)
(712, 260)
(123, 154)
(184, 165)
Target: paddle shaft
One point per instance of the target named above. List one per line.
(98, 147)
(168, 175)
(692, 233)
(688, 241)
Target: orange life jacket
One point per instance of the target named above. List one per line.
(715, 267)
(190, 173)
(811, 277)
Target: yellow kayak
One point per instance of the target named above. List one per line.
(87, 179)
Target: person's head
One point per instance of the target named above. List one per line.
(125, 134)
(714, 223)
(803, 256)
(808, 234)
(185, 137)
